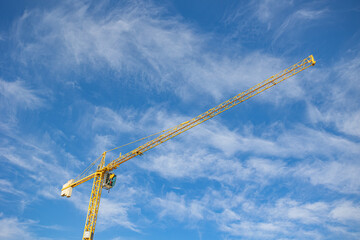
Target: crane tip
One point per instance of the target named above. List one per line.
(312, 60)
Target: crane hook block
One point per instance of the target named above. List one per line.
(68, 190)
(109, 180)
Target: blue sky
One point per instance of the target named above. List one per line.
(79, 78)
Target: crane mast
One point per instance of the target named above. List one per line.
(102, 170)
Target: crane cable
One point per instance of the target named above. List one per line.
(88, 168)
(137, 140)
(94, 162)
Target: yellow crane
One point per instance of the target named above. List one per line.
(104, 178)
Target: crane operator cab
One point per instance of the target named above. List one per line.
(109, 180)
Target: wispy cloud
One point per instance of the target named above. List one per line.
(278, 22)
(37, 157)
(300, 17)
(138, 39)
(340, 104)
(266, 10)
(9, 188)
(131, 37)
(104, 118)
(176, 207)
(346, 211)
(12, 228)
(336, 175)
(210, 151)
(120, 207)
(15, 97)
(141, 43)
(173, 159)
(115, 213)
(239, 215)
(18, 95)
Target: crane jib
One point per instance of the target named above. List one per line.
(104, 179)
(287, 73)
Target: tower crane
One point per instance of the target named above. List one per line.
(105, 178)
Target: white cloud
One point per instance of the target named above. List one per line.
(114, 212)
(273, 20)
(343, 116)
(37, 160)
(7, 187)
(14, 97)
(348, 123)
(328, 214)
(209, 152)
(266, 167)
(226, 208)
(138, 39)
(340, 99)
(193, 156)
(13, 158)
(17, 94)
(255, 230)
(269, 9)
(104, 118)
(196, 163)
(109, 127)
(300, 17)
(308, 213)
(167, 53)
(172, 205)
(102, 144)
(310, 14)
(298, 141)
(335, 175)
(346, 211)
(282, 218)
(119, 207)
(274, 219)
(13, 229)
(132, 36)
